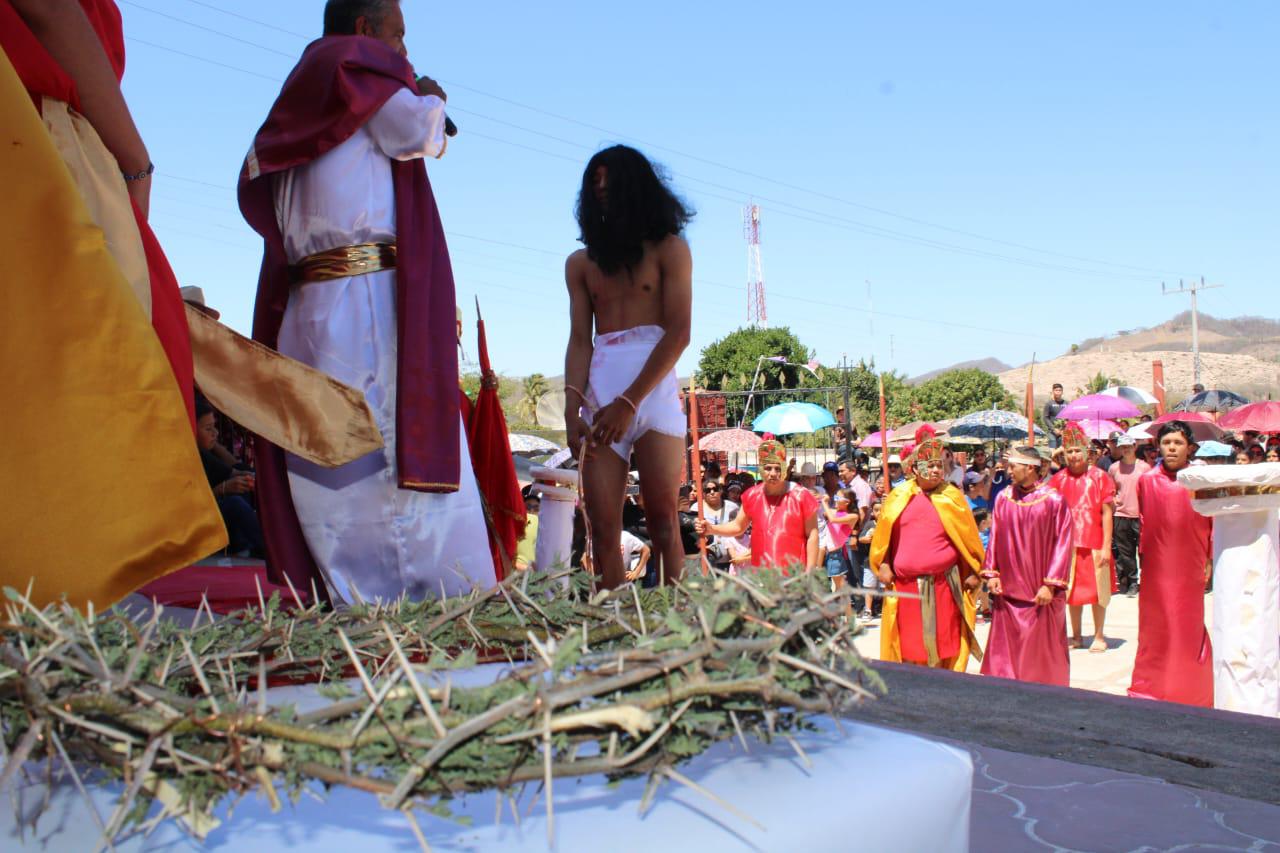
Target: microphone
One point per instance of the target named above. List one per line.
(450, 129)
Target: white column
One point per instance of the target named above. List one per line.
(559, 490)
(1246, 582)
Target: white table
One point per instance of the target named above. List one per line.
(861, 775)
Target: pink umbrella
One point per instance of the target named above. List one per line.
(872, 441)
(1263, 416)
(1202, 426)
(1101, 429)
(730, 441)
(1099, 407)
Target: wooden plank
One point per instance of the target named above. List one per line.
(1236, 754)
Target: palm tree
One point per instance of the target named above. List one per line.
(535, 388)
(1100, 382)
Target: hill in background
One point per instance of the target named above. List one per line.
(1255, 336)
(990, 365)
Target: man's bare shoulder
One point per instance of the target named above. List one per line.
(577, 260)
(672, 247)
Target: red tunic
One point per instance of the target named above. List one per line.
(1086, 495)
(920, 548)
(778, 535)
(1175, 659)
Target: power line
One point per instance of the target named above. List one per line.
(250, 20)
(208, 29)
(757, 176)
(137, 40)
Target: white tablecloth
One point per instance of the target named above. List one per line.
(863, 780)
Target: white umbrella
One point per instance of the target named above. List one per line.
(521, 443)
(1139, 432)
(1133, 394)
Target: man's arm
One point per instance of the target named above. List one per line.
(409, 126)
(64, 30)
(577, 356)
(811, 541)
(733, 528)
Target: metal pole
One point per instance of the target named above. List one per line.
(1195, 330)
(848, 432)
(752, 393)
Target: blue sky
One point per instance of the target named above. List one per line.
(1009, 177)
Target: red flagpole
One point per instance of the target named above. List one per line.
(1031, 404)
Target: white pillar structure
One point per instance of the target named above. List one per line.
(559, 490)
(1244, 502)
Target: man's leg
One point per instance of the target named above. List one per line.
(1099, 619)
(604, 480)
(1124, 546)
(659, 459)
(1077, 614)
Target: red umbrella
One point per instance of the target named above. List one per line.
(1263, 416)
(491, 457)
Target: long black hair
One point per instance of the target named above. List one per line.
(638, 207)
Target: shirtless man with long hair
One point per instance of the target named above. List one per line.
(632, 281)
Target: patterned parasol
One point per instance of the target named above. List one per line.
(992, 425)
(1213, 400)
(730, 441)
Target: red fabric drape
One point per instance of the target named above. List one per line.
(494, 467)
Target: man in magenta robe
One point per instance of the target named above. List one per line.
(1175, 658)
(1028, 567)
(783, 516)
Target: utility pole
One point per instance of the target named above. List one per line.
(1194, 288)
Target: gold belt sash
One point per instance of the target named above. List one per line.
(343, 262)
(929, 614)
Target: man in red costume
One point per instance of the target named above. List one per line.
(927, 543)
(783, 516)
(95, 345)
(1175, 659)
(1028, 567)
(356, 282)
(1091, 495)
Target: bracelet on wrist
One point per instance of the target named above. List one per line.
(140, 176)
(634, 409)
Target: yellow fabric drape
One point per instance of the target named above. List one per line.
(291, 404)
(958, 522)
(104, 490)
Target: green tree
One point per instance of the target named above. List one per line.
(950, 395)
(730, 363)
(535, 388)
(863, 381)
(1099, 382)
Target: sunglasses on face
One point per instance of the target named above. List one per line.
(710, 490)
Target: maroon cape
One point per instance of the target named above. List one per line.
(337, 86)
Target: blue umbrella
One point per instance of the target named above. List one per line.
(992, 425)
(788, 418)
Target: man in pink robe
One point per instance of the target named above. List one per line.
(1175, 658)
(1028, 567)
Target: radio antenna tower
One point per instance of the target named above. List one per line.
(757, 315)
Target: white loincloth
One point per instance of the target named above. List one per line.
(616, 362)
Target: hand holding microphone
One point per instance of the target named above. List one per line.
(427, 86)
